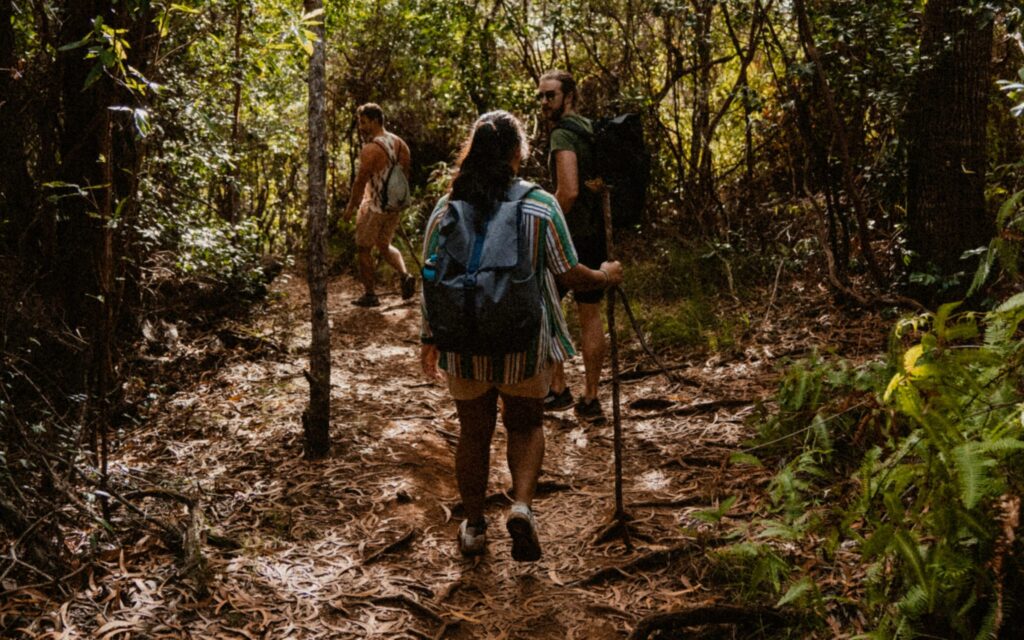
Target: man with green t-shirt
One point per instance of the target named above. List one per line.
(570, 160)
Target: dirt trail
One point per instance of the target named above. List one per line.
(361, 545)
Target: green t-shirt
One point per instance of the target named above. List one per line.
(584, 219)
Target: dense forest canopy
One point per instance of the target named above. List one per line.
(155, 175)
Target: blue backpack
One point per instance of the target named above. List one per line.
(481, 292)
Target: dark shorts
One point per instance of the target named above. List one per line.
(591, 252)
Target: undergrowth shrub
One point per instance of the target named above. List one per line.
(674, 290)
(923, 480)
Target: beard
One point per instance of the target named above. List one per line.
(554, 115)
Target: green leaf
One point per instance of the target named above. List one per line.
(78, 43)
(184, 8)
(911, 357)
(892, 387)
(943, 315)
(971, 473)
(963, 330)
(1014, 303)
(316, 13)
(797, 591)
(1008, 208)
(879, 541)
(984, 269)
(740, 458)
(908, 549)
(94, 75)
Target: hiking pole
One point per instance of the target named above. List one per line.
(618, 527)
(640, 335)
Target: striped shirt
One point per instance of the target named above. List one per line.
(553, 254)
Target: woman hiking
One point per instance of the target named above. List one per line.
(494, 331)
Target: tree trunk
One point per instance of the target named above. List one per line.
(15, 182)
(853, 192)
(946, 123)
(233, 197)
(316, 418)
(701, 187)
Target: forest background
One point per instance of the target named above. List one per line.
(154, 176)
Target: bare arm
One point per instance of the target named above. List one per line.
(583, 278)
(404, 157)
(371, 160)
(568, 178)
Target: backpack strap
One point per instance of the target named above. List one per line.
(519, 190)
(574, 127)
(392, 156)
(392, 163)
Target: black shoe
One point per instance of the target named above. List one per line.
(558, 401)
(590, 412)
(368, 300)
(523, 528)
(408, 286)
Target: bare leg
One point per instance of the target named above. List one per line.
(473, 454)
(524, 418)
(558, 377)
(366, 268)
(393, 257)
(593, 343)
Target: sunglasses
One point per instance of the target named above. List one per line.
(546, 96)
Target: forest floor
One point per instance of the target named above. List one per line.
(362, 544)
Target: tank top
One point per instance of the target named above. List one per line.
(371, 197)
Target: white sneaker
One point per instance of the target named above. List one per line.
(472, 539)
(523, 528)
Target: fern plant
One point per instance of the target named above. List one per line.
(929, 499)
(923, 506)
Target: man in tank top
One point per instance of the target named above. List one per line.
(374, 226)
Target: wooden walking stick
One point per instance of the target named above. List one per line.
(618, 526)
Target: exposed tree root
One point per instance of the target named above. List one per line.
(652, 560)
(673, 621)
(402, 542)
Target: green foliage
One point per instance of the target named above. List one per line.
(925, 516)
(753, 568)
(674, 289)
(223, 252)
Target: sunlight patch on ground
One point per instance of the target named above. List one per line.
(379, 352)
(653, 480)
(578, 438)
(399, 428)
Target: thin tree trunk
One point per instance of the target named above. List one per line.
(946, 156)
(316, 418)
(839, 131)
(234, 193)
(701, 177)
(15, 182)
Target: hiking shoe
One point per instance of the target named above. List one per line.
(590, 412)
(472, 538)
(408, 286)
(558, 401)
(368, 300)
(523, 529)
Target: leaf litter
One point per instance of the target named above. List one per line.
(362, 544)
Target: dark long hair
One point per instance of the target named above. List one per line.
(485, 162)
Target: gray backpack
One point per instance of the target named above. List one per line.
(480, 290)
(394, 193)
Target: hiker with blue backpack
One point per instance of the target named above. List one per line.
(494, 248)
(570, 158)
(377, 192)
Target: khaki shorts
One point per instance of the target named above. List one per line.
(375, 228)
(535, 387)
